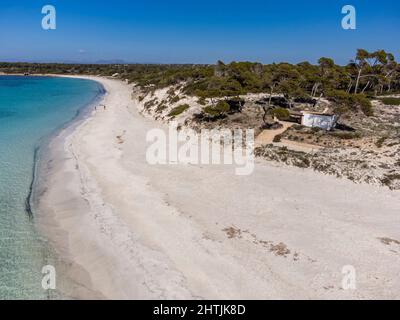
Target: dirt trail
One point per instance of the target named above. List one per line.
(267, 136)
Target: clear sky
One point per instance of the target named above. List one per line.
(190, 31)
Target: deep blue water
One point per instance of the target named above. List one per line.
(31, 108)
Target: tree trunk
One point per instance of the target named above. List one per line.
(265, 114)
(316, 103)
(358, 81)
(266, 109)
(270, 96)
(290, 103)
(350, 86)
(365, 88)
(314, 89)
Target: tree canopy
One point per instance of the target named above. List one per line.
(368, 74)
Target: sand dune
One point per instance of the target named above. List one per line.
(133, 231)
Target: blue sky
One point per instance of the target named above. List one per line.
(175, 31)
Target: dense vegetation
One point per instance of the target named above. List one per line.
(178, 110)
(369, 74)
(391, 101)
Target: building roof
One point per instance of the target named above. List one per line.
(318, 113)
(296, 113)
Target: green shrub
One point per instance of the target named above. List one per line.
(281, 113)
(202, 101)
(316, 129)
(350, 102)
(365, 104)
(346, 135)
(178, 110)
(221, 108)
(297, 127)
(175, 99)
(278, 138)
(391, 101)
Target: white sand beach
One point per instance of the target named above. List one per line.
(129, 230)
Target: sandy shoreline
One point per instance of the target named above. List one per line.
(128, 230)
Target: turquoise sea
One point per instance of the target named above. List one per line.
(31, 110)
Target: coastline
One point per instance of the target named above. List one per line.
(43, 155)
(42, 145)
(50, 223)
(130, 231)
(25, 130)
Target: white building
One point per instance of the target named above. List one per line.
(321, 120)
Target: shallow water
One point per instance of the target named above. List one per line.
(31, 109)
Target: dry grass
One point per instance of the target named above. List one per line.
(233, 232)
(388, 241)
(279, 249)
